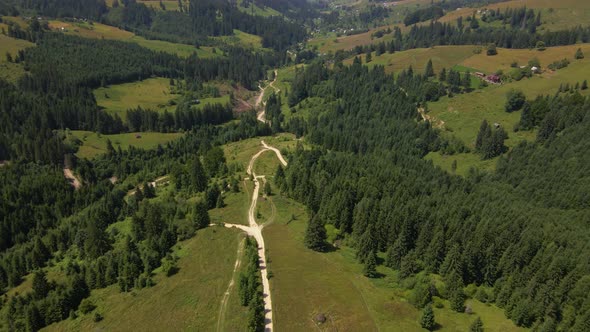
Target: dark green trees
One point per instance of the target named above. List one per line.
(315, 235)
(490, 141)
(427, 319)
(476, 326)
(201, 215)
(429, 71)
(579, 54)
(198, 176)
(491, 49)
(514, 100)
(369, 270)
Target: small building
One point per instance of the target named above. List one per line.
(535, 70)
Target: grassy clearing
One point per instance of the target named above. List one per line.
(506, 57)
(441, 56)
(464, 162)
(241, 152)
(463, 113)
(12, 46)
(100, 31)
(187, 301)
(306, 283)
(153, 93)
(168, 5)
(253, 9)
(236, 208)
(242, 39)
(94, 144)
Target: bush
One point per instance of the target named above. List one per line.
(86, 306)
(492, 50)
(98, 317)
(514, 100)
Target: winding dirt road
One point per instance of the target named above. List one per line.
(260, 115)
(255, 230)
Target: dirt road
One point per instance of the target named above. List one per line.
(255, 230)
(260, 115)
(72, 178)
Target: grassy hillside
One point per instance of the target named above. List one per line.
(99, 31)
(11, 71)
(94, 144)
(441, 56)
(153, 93)
(186, 301)
(242, 39)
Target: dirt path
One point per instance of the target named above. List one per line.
(255, 230)
(260, 115)
(224, 300)
(155, 183)
(72, 178)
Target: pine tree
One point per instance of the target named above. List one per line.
(198, 176)
(369, 270)
(315, 235)
(579, 54)
(40, 285)
(427, 320)
(584, 85)
(457, 300)
(368, 57)
(476, 326)
(483, 135)
(443, 75)
(429, 71)
(201, 215)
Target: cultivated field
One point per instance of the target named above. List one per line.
(94, 144)
(186, 301)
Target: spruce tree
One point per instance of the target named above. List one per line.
(201, 215)
(427, 320)
(584, 85)
(40, 285)
(579, 54)
(443, 75)
(369, 270)
(476, 326)
(429, 71)
(368, 57)
(198, 176)
(315, 235)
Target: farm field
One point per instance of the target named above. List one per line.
(94, 144)
(186, 301)
(152, 93)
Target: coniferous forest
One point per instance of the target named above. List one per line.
(515, 237)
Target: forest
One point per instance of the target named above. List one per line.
(503, 232)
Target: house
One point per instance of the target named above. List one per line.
(535, 70)
(493, 78)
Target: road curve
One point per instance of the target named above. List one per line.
(255, 230)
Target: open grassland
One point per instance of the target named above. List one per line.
(94, 144)
(243, 39)
(464, 162)
(153, 93)
(186, 301)
(306, 283)
(11, 46)
(463, 113)
(236, 207)
(100, 31)
(506, 57)
(441, 56)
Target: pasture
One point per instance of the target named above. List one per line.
(93, 144)
(152, 93)
(186, 301)
(243, 39)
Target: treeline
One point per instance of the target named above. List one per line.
(517, 236)
(184, 117)
(424, 14)
(518, 18)
(250, 287)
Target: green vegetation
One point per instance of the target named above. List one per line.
(93, 144)
(204, 267)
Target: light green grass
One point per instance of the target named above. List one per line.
(242, 39)
(253, 9)
(153, 93)
(241, 152)
(441, 56)
(236, 207)
(94, 144)
(464, 162)
(100, 31)
(186, 301)
(12, 46)
(463, 113)
(168, 5)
